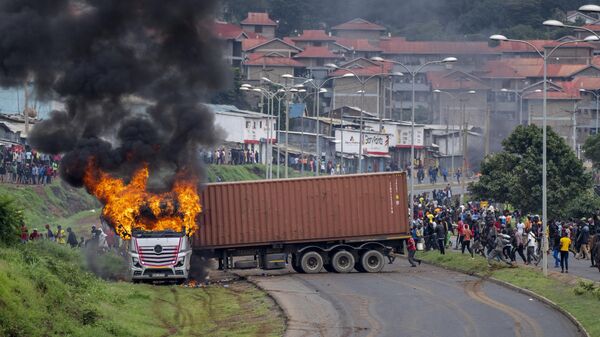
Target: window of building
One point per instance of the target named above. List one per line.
(258, 29)
(318, 44)
(248, 124)
(254, 125)
(260, 124)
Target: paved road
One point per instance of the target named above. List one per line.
(412, 302)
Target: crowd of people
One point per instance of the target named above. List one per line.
(231, 156)
(498, 235)
(101, 239)
(22, 165)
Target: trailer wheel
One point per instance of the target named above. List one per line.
(296, 265)
(311, 262)
(372, 261)
(343, 261)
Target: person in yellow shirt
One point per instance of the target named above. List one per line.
(565, 242)
(60, 235)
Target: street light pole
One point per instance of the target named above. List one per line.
(544, 55)
(413, 74)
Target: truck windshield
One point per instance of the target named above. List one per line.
(157, 234)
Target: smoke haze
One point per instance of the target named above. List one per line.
(99, 55)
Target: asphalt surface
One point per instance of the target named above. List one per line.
(409, 302)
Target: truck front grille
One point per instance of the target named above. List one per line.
(167, 256)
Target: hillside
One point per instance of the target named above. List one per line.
(245, 172)
(45, 291)
(46, 203)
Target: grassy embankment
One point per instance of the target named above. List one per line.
(247, 172)
(580, 299)
(45, 291)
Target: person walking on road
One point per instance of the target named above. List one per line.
(556, 250)
(496, 253)
(440, 232)
(466, 242)
(531, 244)
(565, 242)
(412, 249)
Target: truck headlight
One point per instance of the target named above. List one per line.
(181, 262)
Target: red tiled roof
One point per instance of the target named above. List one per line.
(382, 68)
(436, 47)
(358, 44)
(358, 24)
(251, 43)
(569, 45)
(317, 52)
(519, 47)
(258, 19)
(534, 67)
(594, 27)
(226, 31)
(569, 91)
(312, 35)
(499, 69)
(260, 59)
(587, 83)
(446, 81)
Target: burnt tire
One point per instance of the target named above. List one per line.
(311, 262)
(372, 261)
(295, 265)
(343, 261)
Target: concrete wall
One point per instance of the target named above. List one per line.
(345, 94)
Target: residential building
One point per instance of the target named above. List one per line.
(244, 130)
(259, 23)
(359, 29)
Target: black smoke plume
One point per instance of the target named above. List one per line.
(130, 72)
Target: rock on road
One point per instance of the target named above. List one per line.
(408, 302)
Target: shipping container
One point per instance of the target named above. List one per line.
(351, 213)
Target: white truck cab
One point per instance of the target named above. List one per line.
(159, 256)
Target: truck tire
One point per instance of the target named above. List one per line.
(372, 261)
(342, 261)
(295, 265)
(311, 262)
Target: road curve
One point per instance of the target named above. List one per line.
(414, 302)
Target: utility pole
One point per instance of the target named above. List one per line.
(487, 130)
(465, 157)
(26, 110)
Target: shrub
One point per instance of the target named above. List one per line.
(11, 219)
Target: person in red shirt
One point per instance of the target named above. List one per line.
(24, 233)
(34, 235)
(412, 248)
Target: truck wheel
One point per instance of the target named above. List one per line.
(311, 262)
(343, 261)
(295, 264)
(372, 261)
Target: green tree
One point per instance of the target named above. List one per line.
(515, 174)
(11, 219)
(591, 150)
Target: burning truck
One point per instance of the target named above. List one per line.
(157, 225)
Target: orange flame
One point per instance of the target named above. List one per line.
(130, 206)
